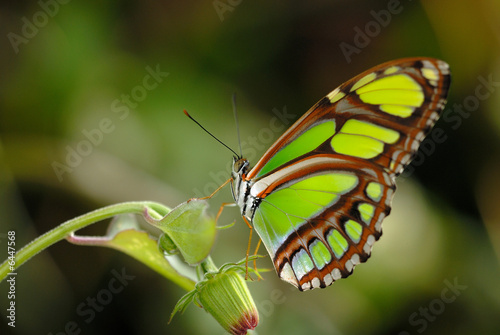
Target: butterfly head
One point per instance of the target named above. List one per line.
(239, 184)
(240, 166)
(240, 169)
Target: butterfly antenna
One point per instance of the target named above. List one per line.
(237, 124)
(209, 133)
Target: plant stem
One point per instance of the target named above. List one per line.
(208, 265)
(62, 231)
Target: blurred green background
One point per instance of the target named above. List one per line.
(78, 70)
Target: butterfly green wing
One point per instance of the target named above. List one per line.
(326, 185)
(381, 115)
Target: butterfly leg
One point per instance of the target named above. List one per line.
(255, 259)
(248, 247)
(221, 208)
(224, 204)
(214, 192)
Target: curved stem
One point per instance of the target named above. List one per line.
(208, 265)
(62, 231)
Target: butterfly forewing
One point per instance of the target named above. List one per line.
(318, 196)
(404, 96)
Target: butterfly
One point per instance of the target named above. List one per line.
(318, 196)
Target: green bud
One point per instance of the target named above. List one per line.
(167, 245)
(226, 297)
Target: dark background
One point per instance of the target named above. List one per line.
(63, 66)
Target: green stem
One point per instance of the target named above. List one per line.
(208, 265)
(63, 230)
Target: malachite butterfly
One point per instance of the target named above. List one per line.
(318, 196)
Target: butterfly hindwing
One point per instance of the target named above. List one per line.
(318, 196)
(322, 225)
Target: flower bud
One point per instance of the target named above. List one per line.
(227, 298)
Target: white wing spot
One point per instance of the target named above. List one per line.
(336, 274)
(349, 266)
(315, 282)
(355, 259)
(370, 240)
(288, 275)
(367, 249)
(328, 279)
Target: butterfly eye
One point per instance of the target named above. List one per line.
(239, 165)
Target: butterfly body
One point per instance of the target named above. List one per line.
(318, 196)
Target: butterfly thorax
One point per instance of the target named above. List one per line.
(241, 187)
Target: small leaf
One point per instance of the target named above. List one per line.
(123, 235)
(183, 303)
(190, 229)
